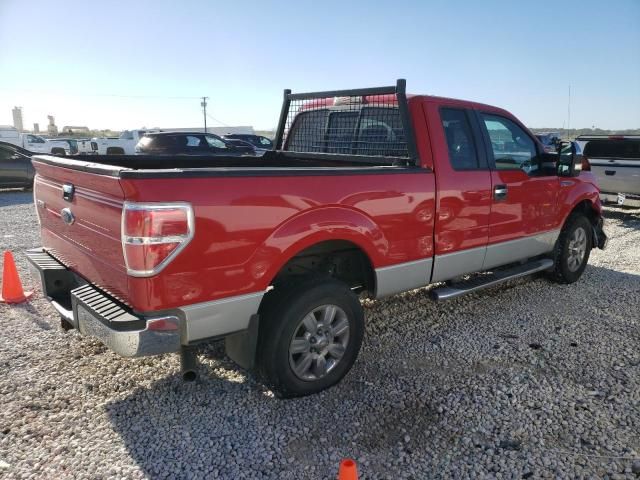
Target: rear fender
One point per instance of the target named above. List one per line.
(295, 235)
(312, 227)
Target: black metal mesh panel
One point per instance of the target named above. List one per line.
(353, 125)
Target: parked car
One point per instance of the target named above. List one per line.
(125, 144)
(550, 141)
(615, 161)
(271, 252)
(33, 143)
(189, 143)
(15, 167)
(258, 141)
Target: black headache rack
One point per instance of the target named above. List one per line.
(369, 125)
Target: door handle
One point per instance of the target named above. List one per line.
(500, 192)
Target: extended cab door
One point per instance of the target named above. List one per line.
(523, 220)
(34, 143)
(463, 195)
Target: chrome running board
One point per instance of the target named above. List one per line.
(490, 279)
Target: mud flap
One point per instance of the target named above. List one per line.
(241, 347)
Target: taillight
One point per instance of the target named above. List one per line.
(586, 166)
(153, 234)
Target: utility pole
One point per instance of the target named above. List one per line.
(203, 104)
(569, 112)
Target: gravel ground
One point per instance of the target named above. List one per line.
(531, 380)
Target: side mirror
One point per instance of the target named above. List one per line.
(567, 160)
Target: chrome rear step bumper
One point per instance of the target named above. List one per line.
(95, 313)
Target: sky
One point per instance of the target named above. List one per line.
(131, 64)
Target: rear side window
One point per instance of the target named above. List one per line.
(612, 148)
(457, 131)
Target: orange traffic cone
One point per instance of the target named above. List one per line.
(12, 291)
(348, 470)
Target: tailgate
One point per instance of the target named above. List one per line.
(80, 215)
(617, 176)
(615, 161)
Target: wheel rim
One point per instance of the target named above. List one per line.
(319, 342)
(577, 249)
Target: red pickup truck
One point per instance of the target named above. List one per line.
(367, 191)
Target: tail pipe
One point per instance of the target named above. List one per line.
(189, 364)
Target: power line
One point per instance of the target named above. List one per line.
(115, 95)
(216, 120)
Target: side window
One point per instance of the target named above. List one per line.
(31, 139)
(126, 135)
(457, 130)
(215, 142)
(512, 148)
(6, 155)
(192, 141)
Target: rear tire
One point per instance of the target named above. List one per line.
(310, 335)
(115, 151)
(572, 249)
(57, 151)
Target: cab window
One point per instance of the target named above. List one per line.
(457, 131)
(512, 148)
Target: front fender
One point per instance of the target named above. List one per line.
(575, 191)
(312, 227)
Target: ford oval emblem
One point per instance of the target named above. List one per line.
(67, 216)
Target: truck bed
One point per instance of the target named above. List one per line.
(135, 165)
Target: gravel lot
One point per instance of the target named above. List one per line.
(531, 380)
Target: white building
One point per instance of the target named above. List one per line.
(17, 118)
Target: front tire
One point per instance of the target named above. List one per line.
(310, 336)
(572, 249)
